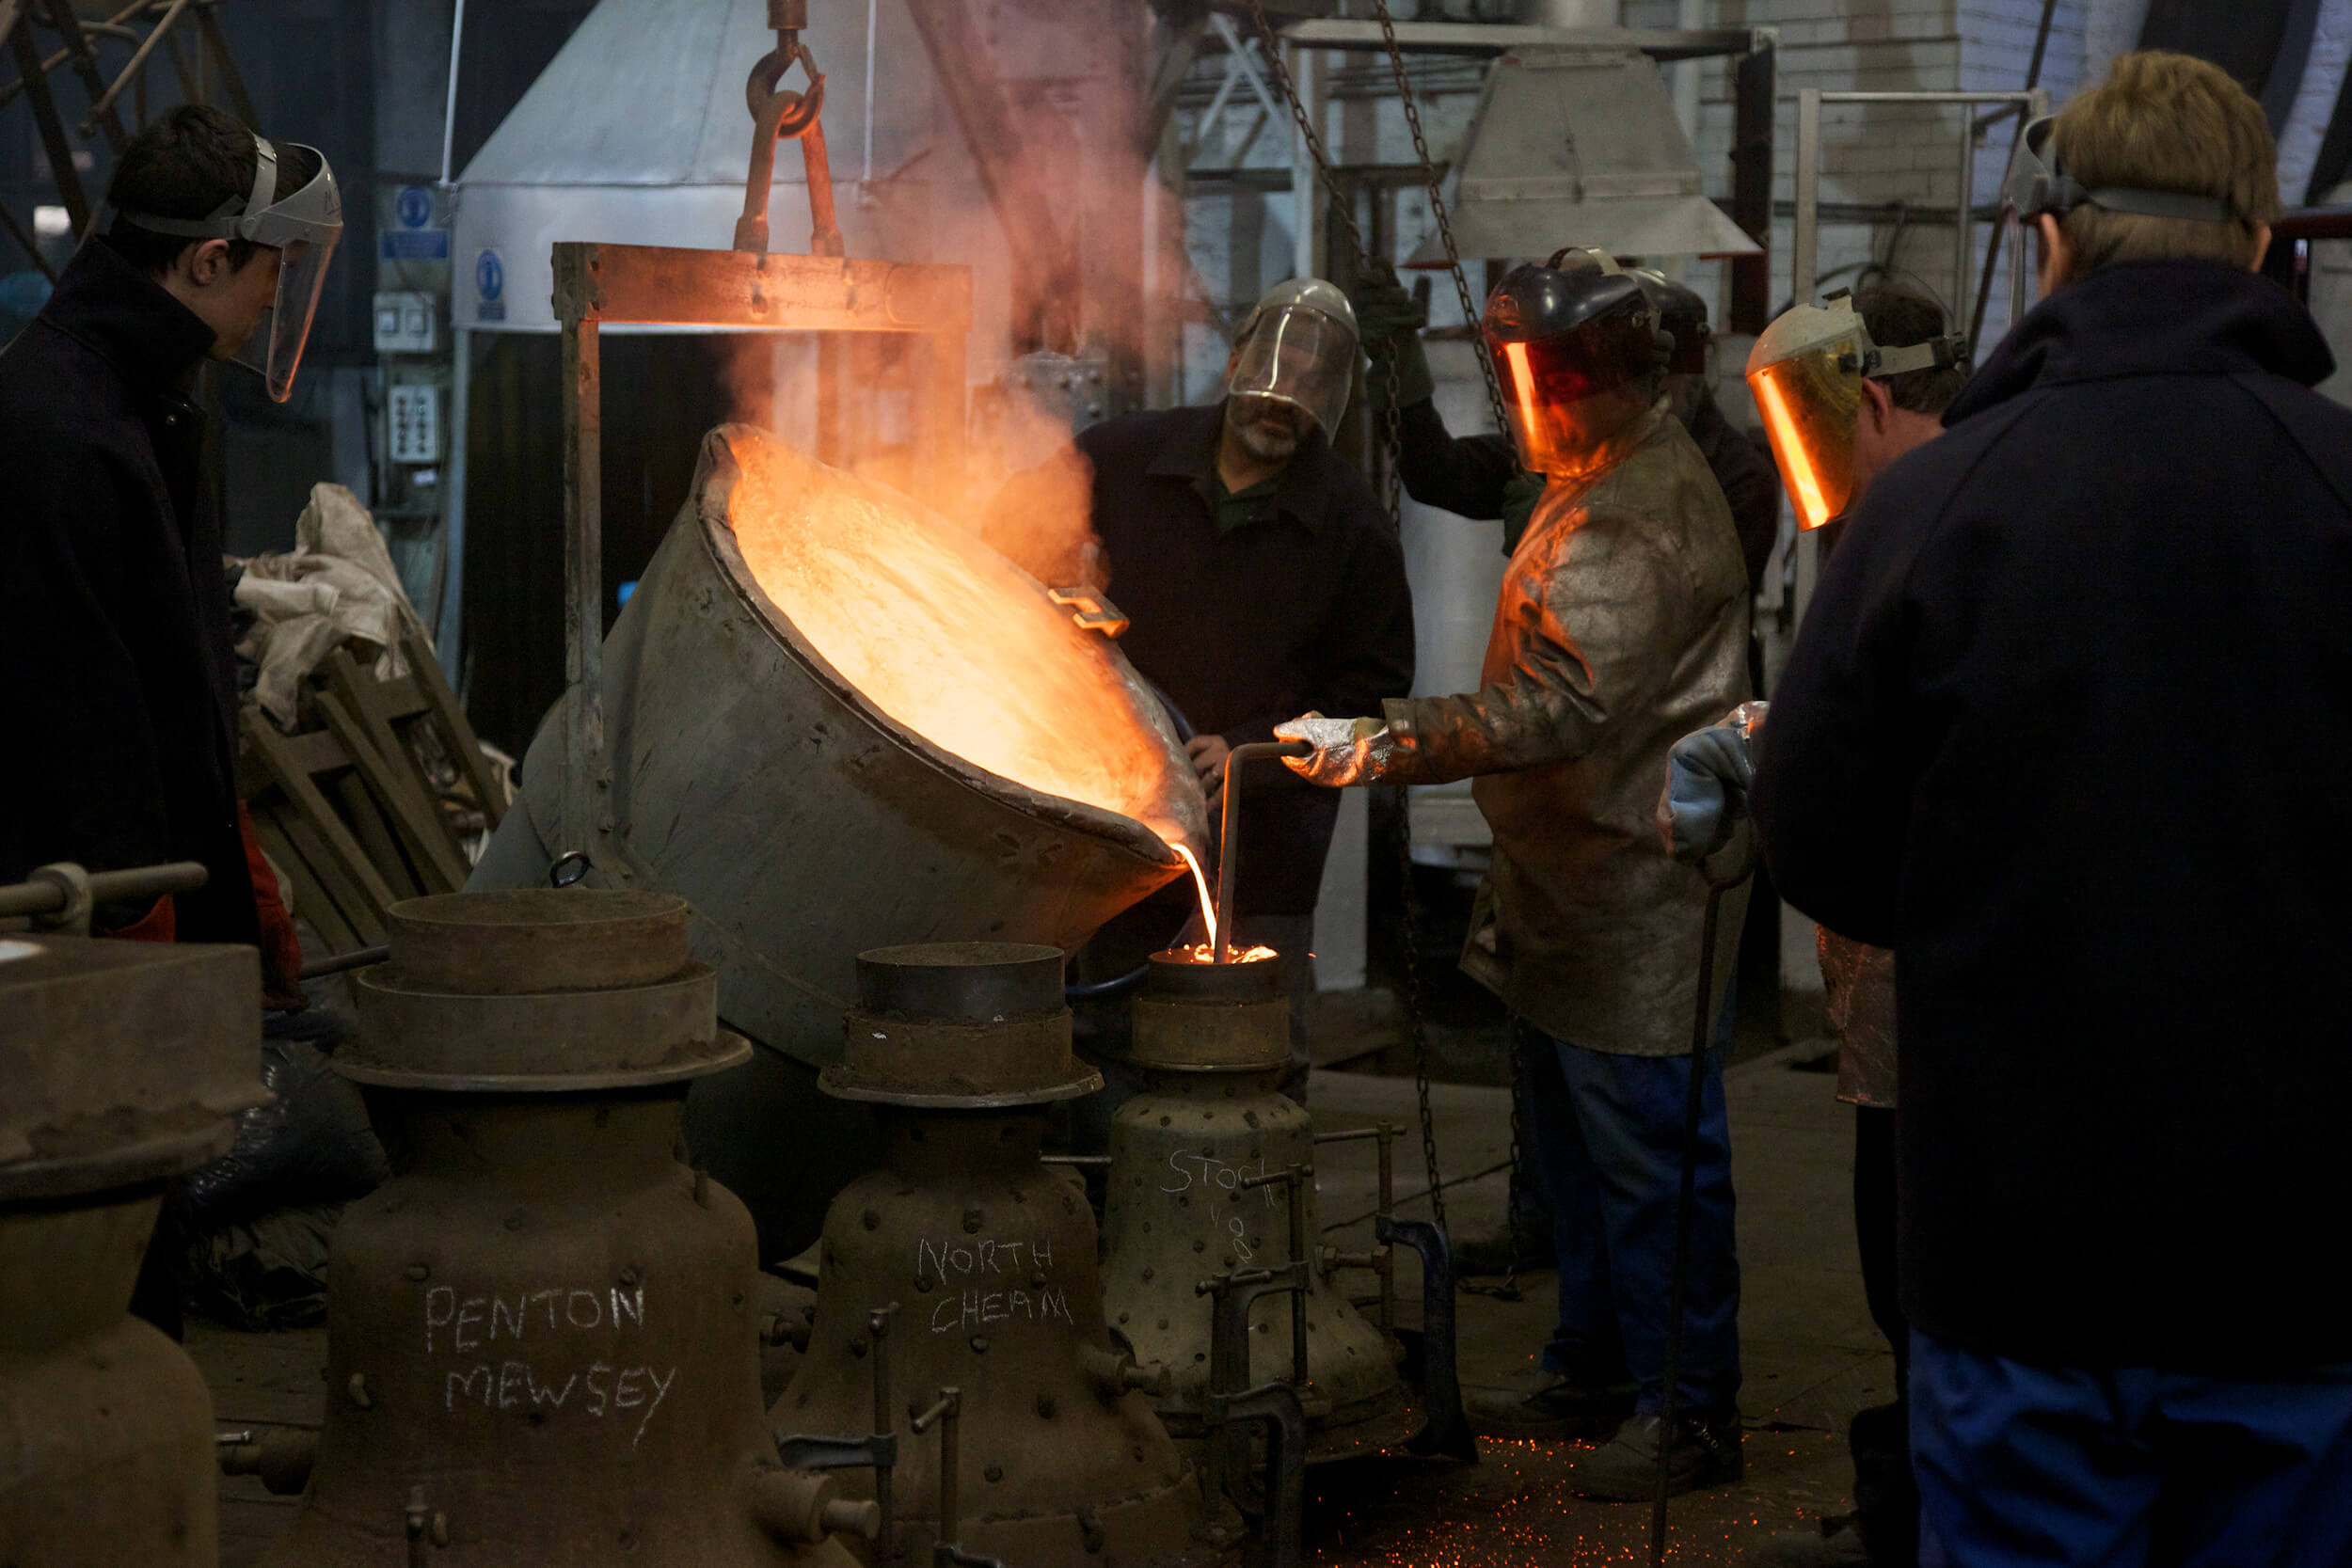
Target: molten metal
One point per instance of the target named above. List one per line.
(1205, 953)
(957, 643)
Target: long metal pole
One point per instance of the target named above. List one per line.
(1229, 836)
(1686, 1208)
(1963, 214)
(1804, 247)
(449, 112)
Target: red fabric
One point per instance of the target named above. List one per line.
(281, 949)
(159, 924)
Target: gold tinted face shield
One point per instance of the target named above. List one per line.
(1806, 371)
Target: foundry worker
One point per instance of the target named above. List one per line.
(1480, 476)
(1845, 387)
(1623, 624)
(1262, 578)
(2053, 729)
(119, 698)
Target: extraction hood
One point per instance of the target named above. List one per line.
(1579, 145)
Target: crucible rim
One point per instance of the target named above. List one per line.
(1121, 830)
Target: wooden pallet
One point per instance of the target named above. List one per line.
(344, 806)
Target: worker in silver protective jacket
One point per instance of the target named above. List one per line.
(1623, 624)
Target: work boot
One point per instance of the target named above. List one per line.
(1833, 1543)
(1706, 1452)
(1559, 1409)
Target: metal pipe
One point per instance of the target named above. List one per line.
(1228, 836)
(146, 882)
(360, 958)
(1805, 260)
(877, 1325)
(449, 112)
(1963, 229)
(1686, 1204)
(130, 72)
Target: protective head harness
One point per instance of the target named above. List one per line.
(1577, 349)
(1683, 315)
(303, 229)
(1298, 346)
(1806, 371)
(2037, 185)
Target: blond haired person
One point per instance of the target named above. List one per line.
(2064, 728)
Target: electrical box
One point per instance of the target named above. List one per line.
(415, 416)
(407, 322)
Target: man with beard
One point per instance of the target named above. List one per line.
(1260, 578)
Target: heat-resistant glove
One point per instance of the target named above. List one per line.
(1389, 321)
(1347, 751)
(1521, 494)
(1707, 775)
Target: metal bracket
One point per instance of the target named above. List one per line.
(879, 1448)
(1382, 1261)
(947, 1413)
(1449, 1429)
(1277, 1405)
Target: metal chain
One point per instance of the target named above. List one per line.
(1516, 1251)
(1437, 207)
(1416, 1029)
(1342, 203)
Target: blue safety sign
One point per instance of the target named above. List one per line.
(489, 282)
(413, 207)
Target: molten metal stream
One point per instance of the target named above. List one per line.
(957, 643)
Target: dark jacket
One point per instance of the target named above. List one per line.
(1466, 474)
(2065, 728)
(1304, 607)
(118, 702)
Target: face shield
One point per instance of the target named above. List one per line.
(1298, 354)
(303, 229)
(1806, 372)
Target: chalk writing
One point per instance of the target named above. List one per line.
(514, 1385)
(462, 1325)
(476, 1321)
(973, 1308)
(1022, 1266)
(1206, 1170)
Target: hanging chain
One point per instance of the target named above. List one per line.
(1436, 208)
(1416, 1030)
(1341, 203)
(1513, 1235)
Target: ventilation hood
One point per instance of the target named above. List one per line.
(1579, 145)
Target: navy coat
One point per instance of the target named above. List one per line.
(2065, 727)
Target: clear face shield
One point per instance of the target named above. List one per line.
(1806, 371)
(1298, 355)
(275, 350)
(303, 229)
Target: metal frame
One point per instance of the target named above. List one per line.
(17, 18)
(1805, 243)
(723, 290)
(1753, 50)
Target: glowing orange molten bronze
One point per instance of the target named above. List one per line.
(954, 642)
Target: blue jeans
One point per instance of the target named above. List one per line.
(2024, 1466)
(1604, 1139)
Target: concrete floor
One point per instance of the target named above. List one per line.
(1811, 1355)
